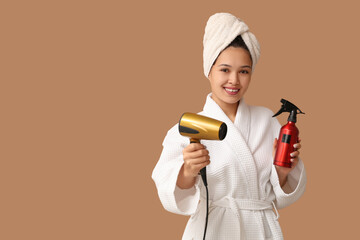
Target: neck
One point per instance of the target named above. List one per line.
(229, 109)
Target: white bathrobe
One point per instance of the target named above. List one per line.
(244, 189)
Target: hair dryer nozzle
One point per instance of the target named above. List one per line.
(222, 131)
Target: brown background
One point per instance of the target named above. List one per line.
(90, 88)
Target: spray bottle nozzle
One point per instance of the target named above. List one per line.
(291, 108)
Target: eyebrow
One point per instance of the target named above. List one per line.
(227, 65)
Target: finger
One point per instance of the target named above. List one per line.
(193, 147)
(294, 154)
(200, 166)
(200, 160)
(195, 169)
(297, 146)
(197, 153)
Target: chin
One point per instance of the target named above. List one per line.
(232, 100)
(226, 99)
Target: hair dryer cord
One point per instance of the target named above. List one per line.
(203, 176)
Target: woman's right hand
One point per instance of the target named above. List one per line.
(195, 157)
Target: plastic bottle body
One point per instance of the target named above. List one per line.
(288, 136)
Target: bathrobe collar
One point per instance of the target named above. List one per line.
(237, 137)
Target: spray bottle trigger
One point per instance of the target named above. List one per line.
(299, 111)
(279, 112)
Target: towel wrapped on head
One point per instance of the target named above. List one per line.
(221, 29)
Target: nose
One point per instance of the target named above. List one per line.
(234, 79)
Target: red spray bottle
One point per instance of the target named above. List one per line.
(289, 135)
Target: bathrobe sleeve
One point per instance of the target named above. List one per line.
(296, 181)
(165, 173)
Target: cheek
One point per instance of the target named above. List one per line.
(245, 83)
(219, 79)
(216, 81)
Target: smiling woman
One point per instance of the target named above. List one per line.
(245, 189)
(230, 78)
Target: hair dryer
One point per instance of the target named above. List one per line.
(198, 127)
(288, 135)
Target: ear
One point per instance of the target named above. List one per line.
(210, 74)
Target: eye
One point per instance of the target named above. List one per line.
(244, 72)
(224, 70)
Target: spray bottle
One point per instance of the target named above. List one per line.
(289, 135)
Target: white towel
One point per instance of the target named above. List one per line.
(221, 29)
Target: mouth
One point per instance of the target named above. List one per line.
(232, 91)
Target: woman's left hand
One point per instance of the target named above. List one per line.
(284, 171)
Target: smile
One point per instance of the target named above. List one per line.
(232, 91)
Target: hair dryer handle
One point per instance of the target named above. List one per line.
(203, 170)
(194, 140)
(203, 175)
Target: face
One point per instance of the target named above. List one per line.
(230, 76)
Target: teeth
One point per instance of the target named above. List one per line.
(232, 90)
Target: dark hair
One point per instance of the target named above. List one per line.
(238, 42)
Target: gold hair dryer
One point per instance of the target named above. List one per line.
(198, 127)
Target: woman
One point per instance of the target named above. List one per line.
(245, 188)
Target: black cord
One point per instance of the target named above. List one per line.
(203, 176)
(207, 211)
